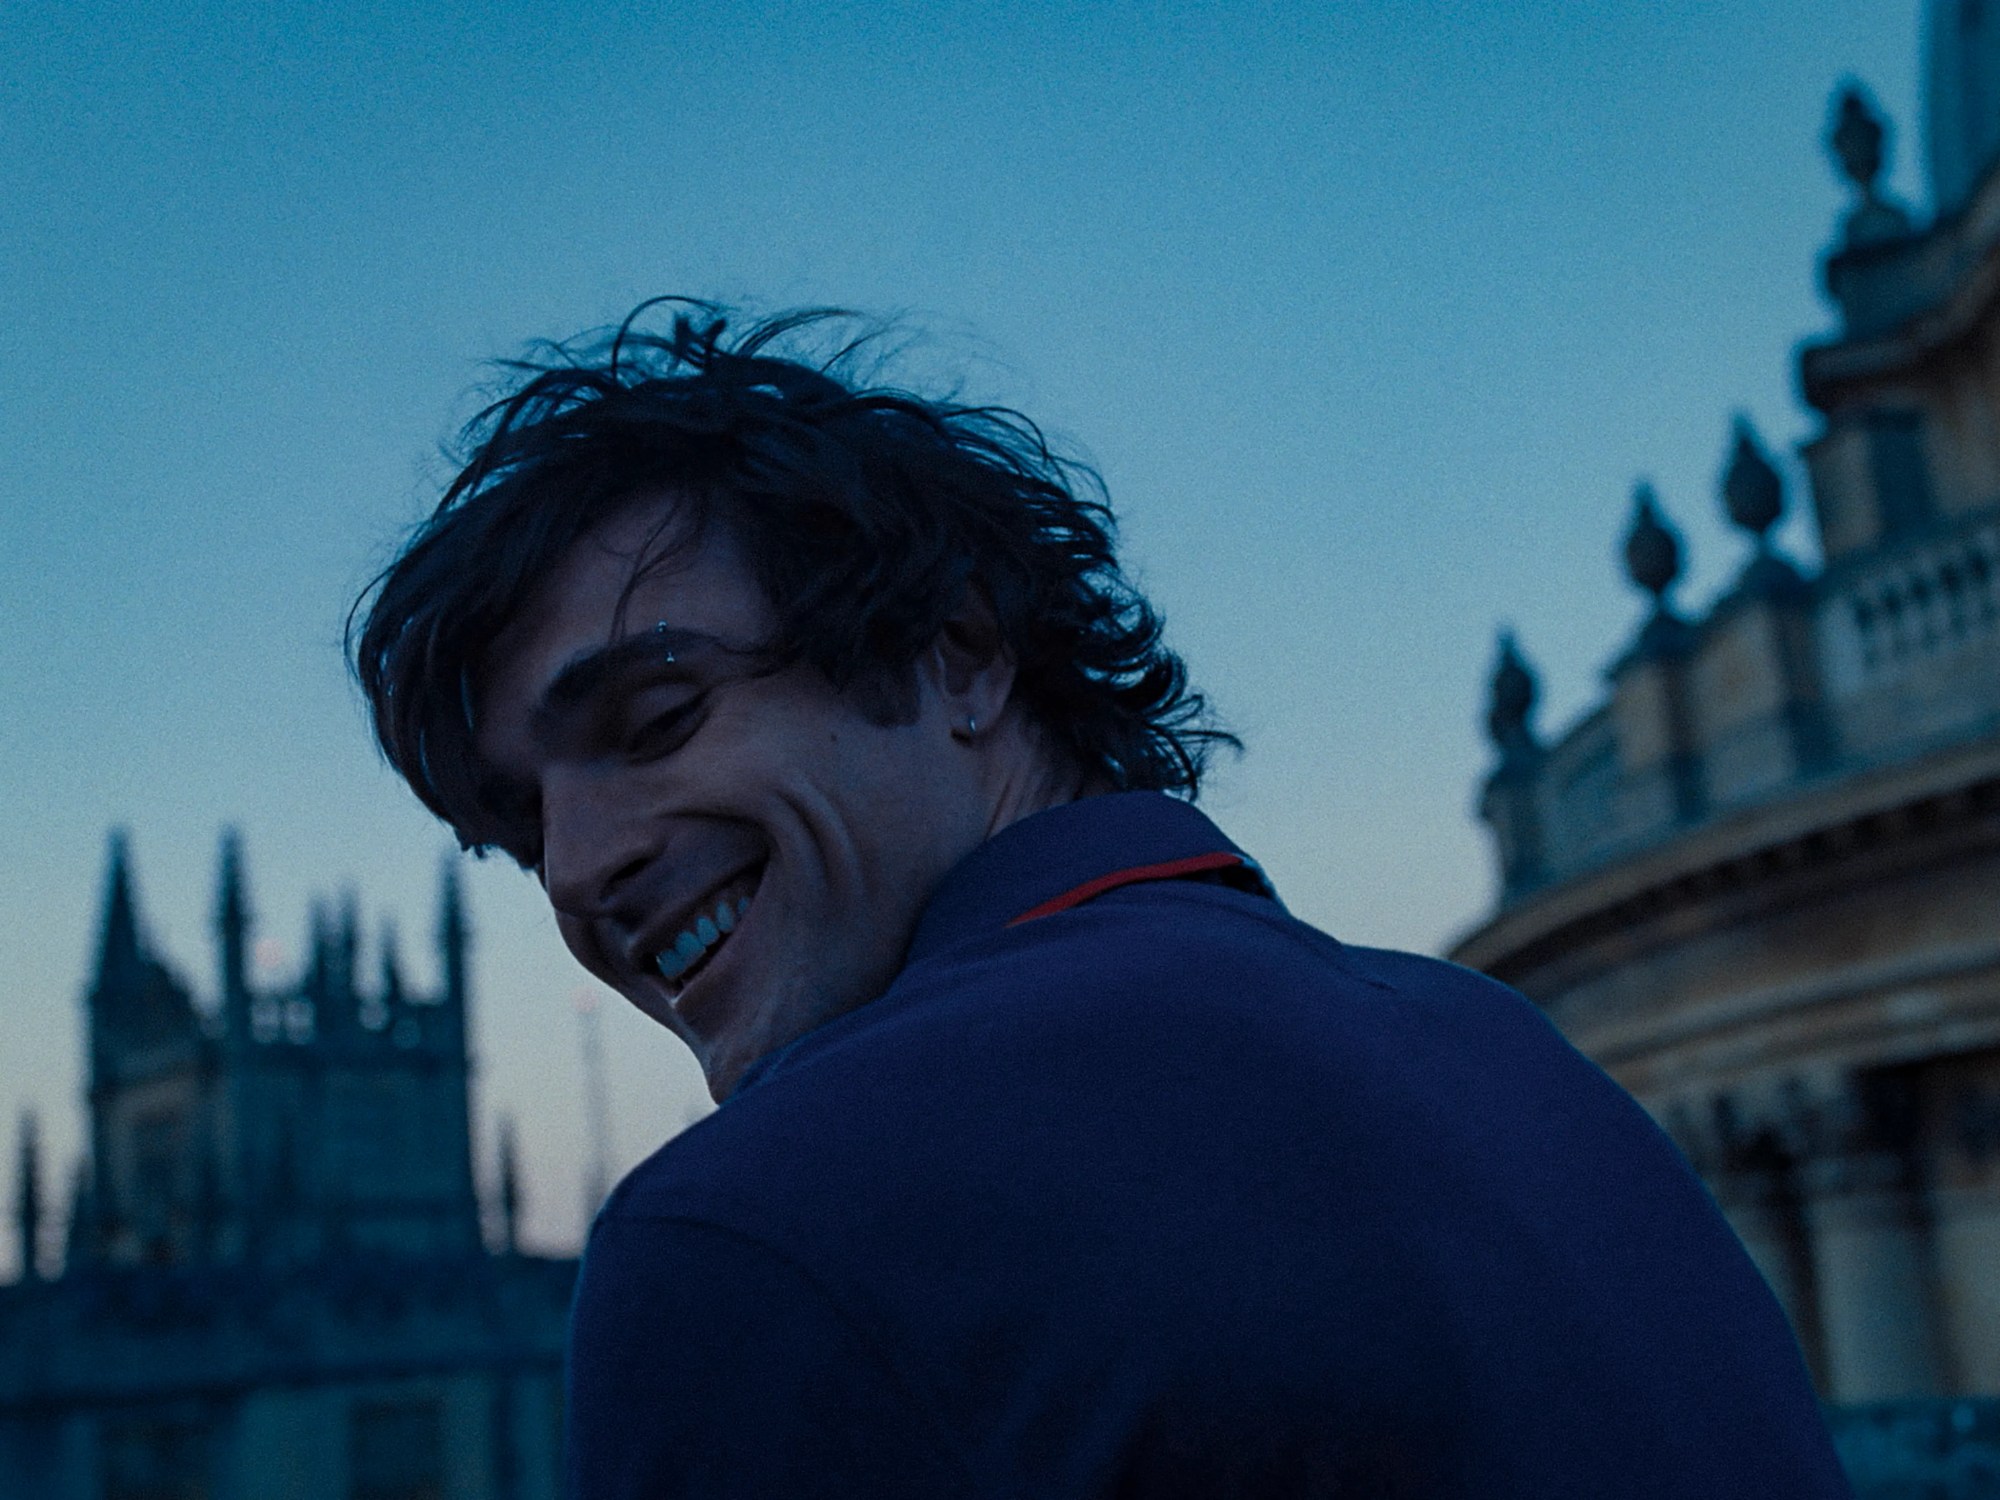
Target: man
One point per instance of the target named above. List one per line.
(1054, 1158)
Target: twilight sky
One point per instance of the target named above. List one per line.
(1370, 313)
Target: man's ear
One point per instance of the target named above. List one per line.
(974, 671)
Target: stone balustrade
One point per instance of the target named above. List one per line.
(1885, 650)
(1876, 622)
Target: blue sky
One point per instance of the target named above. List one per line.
(1370, 313)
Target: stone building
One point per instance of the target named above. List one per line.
(274, 1281)
(1759, 882)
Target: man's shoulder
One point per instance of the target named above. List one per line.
(1281, 1180)
(1020, 1051)
(1134, 951)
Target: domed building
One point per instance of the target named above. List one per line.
(1961, 97)
(1759, 882)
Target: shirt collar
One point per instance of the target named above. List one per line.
(1079, 850)
(1048, 860)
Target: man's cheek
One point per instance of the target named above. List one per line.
(583, 945)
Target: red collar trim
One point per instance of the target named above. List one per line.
(1172, 869)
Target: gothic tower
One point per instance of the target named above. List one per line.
(150, 1098)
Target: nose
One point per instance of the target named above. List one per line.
(592, 848)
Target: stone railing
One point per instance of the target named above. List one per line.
(1908, 648)
(1915, 605)
(1579, 796)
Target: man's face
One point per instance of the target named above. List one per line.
(741, 856)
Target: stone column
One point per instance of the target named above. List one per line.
(1876, 1258)
(1967, 1194)
(1968, 1253)
(1755, 1176)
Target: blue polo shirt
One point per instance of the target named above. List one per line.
(1134, 1185)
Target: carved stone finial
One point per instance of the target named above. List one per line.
(1752, 491)
(1512, 699)
(1652, 552)
(1857, 139)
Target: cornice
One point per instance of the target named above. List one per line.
(1828, 371)
(1847, 1016)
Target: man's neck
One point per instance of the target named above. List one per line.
(1031, 776)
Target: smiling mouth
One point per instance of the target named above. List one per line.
(706, 932)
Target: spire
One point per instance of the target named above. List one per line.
(232, 906)
(510, 1190)
(232, 930)
(392, 966)
(28, 1201)
(80, 1239)
(341, 1006)
(1858, 140)
(307, 1010)
(319, 951)
(347, 941)
(1511, 701)
(120, 951)
(379, 1007)
(453, 935)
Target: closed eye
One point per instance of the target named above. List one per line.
(664, 732)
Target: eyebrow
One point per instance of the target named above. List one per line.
(587, 673)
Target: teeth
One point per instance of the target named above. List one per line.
(695, 941)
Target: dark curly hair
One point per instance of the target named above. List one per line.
(864, 513)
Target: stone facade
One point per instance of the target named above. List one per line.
(274, 1281)
(1760, 882)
